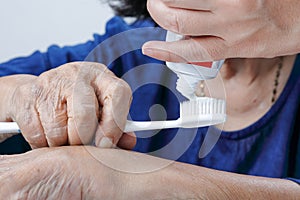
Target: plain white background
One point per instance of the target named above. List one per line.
(29, 25)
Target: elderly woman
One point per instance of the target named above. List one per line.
(254, 154)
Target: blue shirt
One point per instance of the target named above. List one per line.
(270, 147)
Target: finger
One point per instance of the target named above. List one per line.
(82, 114)
(31, 128)
(115, 99)
(28, 117)
(185, 22)
(53, 117)
(127, 141)
(192, 4)
(200, 49)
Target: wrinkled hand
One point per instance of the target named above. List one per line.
(222, 29)
(72, 104)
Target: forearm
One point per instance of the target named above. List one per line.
(94, 173)
(148, 177)
(183, 181)
(253, 187)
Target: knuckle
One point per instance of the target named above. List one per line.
(123, 86)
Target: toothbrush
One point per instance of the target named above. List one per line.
(194, 113)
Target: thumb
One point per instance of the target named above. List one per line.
(193, 49)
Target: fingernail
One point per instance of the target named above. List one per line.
(147, 51)
(106, 143)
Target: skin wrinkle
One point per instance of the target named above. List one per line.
(59, 134)
(106, 103)
(59, 97)
(43, 100)
(27, 104)
(40, 135)
(204, 6)
(41, 187)
(43, 181)
(119, 89)
(98, 104)
(96, 71)
(60, 111)
(64, 104)
(11, 164)
(266, 28)
(26, 116)
(36, 91)
(122, 89)
(114, 118)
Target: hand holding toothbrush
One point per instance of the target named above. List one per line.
(222, 29)
(77, 103)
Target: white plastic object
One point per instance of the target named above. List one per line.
(189, 75)
(9, 127)
(199, 112)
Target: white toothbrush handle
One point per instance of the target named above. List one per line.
(12, 127)
(9, 127)
(150, 125)
(206, 120)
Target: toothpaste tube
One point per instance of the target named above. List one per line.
(189, 74)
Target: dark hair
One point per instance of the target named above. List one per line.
(130, 8)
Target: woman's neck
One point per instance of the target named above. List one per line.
(248, 85)
(248, 71)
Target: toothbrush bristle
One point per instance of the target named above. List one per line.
(202, 106)
(202, 111)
